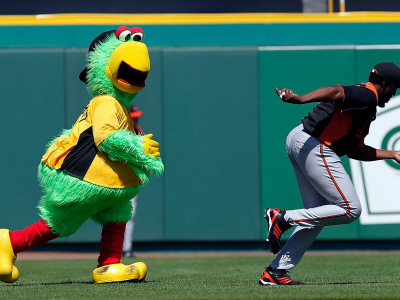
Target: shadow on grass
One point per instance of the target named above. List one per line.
(346, 283)
(73, 282)
(48, 283)
(159, 281)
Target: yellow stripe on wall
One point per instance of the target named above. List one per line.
(188, 19)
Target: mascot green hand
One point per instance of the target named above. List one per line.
(95, 168)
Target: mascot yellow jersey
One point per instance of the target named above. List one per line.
(77, 153)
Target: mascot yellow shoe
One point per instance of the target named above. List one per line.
(8, 272)
(135, 272)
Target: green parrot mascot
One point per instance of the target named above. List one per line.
(95, 168)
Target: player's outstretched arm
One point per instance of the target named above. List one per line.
(323, 94)
(388, 154)
(368, 153)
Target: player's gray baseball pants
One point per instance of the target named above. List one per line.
(329, 197)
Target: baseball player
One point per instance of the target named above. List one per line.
(337, 126)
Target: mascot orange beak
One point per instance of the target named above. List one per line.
(129, 66)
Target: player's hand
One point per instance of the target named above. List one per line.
(397, 156)
(150, 146)
(287, 95)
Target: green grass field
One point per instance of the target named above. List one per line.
(346, 276)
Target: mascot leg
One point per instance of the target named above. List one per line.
(15, 242)
(112, 238)
(109, 268)
(32, 236)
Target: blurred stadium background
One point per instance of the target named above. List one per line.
(209, 101)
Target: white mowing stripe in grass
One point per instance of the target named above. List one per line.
(330, 47)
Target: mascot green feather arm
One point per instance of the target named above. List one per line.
(127, 147)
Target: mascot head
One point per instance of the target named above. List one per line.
(118, 64)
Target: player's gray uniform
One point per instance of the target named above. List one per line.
(328, 195)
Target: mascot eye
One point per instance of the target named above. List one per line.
(137, 34)
(123, 33)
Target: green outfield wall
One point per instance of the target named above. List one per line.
(210, 103)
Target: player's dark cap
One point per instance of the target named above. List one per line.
(387, 71)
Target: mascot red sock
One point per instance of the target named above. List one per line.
(32, 236)
(112, 238)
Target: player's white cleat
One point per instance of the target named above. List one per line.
(8, 272)
(135, 272)
(277, 277)
(277, 225)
